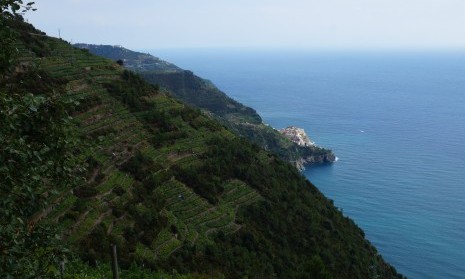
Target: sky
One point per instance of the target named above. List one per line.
(294, 24)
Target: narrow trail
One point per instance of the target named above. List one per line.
(74, 227)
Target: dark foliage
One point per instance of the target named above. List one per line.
(140, 166)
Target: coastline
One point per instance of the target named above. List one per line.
(311, 153)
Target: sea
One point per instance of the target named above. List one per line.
(396, 122)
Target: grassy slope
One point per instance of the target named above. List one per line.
(174, 189)
(203, 94)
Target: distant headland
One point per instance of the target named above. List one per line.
(299, 136)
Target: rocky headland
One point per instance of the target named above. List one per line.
(311, 153)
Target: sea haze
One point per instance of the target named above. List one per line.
(395, 120)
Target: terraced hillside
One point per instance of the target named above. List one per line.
(203, 94)
(120, 139)
(174, 189)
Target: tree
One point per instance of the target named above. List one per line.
(36, 151)
(36, 160)
(9, 9)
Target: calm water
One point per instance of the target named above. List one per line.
(397, 124)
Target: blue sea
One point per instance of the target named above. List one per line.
(396, 121)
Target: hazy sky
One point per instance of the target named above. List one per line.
(327, 24)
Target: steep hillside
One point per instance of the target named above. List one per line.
(132, 60)
(204, 95)
(176, 190)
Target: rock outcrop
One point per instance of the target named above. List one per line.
(312, 154)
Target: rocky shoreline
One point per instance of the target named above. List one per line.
(318, 155)
(327, 158)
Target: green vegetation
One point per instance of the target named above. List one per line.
(37, 145)
(176, 191)
(203, 94)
